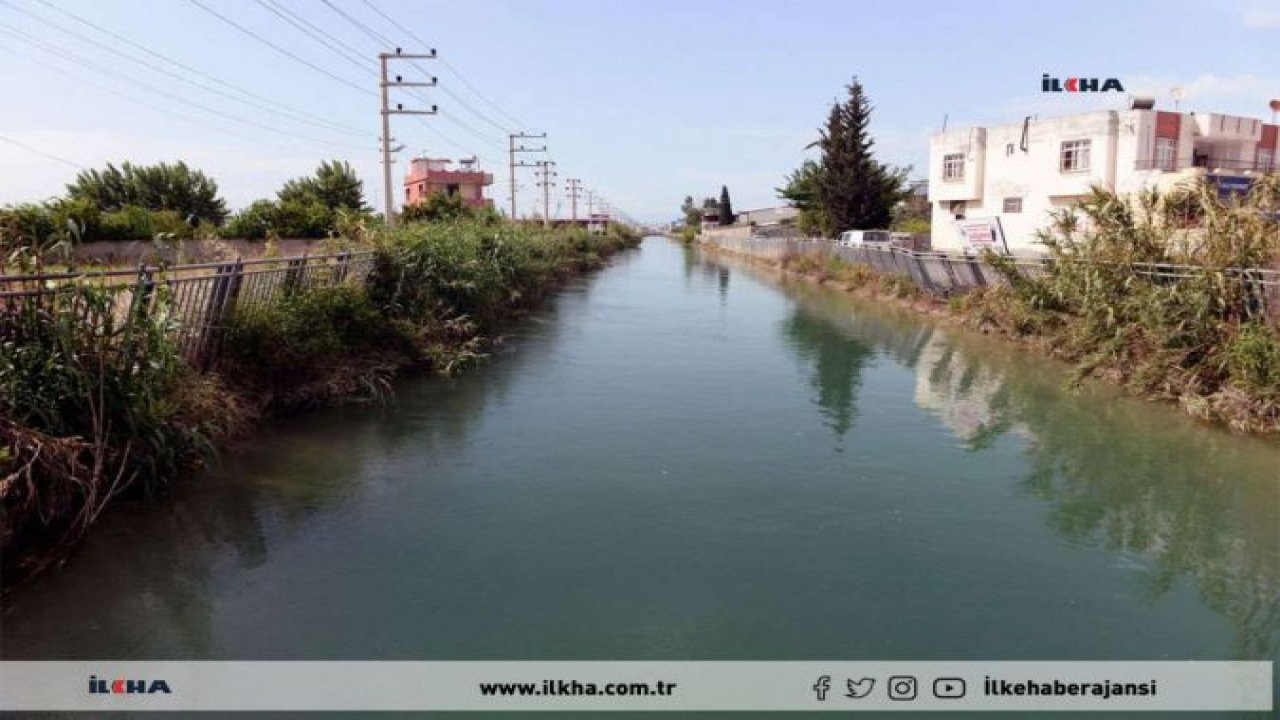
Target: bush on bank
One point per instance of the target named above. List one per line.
(96, 400)
(1204, 340)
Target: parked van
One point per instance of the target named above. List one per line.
(858, 238)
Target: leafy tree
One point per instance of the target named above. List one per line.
(725, 206)
(854, 190)
(190, 193)
(692, 213)
(335, 185)
(306, 207)
(801, 191)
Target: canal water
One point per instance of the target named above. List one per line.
(684, 457)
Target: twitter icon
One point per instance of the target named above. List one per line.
(860, 688)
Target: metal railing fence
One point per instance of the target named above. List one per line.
(951, 273)
(201, 298)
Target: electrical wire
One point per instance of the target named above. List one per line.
(281, 50)
(38, 151)
(280, 107)
(89, 64)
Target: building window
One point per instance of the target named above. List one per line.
(1166, 153)
(1075, 156)
(953, 167)
(1266, 160)
(1013, 205)
(1008, 149)
(957, 209)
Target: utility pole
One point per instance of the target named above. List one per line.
(546, 182)
(385, 85)
(575, 187)
(512, 164)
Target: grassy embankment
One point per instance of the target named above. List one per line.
(95, 404)
(1206, 341)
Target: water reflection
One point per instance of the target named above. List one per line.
(838, 364)
(1134, 478)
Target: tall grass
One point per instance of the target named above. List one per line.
(476, 270)
(1204, 339)
(830, 268)
(90, 389)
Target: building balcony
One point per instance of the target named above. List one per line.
(1216, 165)
(1230, 165)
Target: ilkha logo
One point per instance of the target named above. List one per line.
(1079, 84)
(121, 686)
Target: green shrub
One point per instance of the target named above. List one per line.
(1201, 337)
(75, 364)
(296, 339)
(1254, 357)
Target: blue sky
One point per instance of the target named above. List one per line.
(645, 101)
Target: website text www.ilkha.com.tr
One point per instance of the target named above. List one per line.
(575, 688)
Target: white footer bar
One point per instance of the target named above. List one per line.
(636, 685)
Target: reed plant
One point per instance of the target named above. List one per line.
(1155, 291)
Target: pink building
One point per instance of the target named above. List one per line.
(428, 176)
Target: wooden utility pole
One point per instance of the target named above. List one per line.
(575, 187)
(389, 199)
(546, 182)
(511, 161)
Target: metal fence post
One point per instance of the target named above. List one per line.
(340, 270)
(226, 288)
(293, 274)
(143, 290)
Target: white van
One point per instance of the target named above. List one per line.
(858, 238)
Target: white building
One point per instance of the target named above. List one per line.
(768, 217)
(1004, 180)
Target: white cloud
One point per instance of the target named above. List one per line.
(1260, 13)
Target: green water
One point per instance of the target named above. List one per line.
(687, 458)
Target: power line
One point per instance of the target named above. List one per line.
(362, 27)
(142, 101)
(279, 49)
(315, 34)
(58, 52)
(164, 71)
(38, 151)
(280, 107)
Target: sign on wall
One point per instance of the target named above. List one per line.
(980, 234)
(1230, 185)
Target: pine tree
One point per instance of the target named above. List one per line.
(725, 207)
(854, 190)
